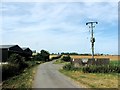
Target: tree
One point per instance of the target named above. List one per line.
(42, 56)
(38, 57)
(45, 55)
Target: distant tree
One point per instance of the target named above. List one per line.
(67, 53)
(34, 51)
(38, 57)
(86, 54)
(52, 54)
(45, 55)
(42, 56)
(74, 53)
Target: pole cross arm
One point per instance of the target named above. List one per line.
(91, 23)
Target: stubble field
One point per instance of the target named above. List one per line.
(112, 57)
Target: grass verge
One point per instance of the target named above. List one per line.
(24, 80)
(59, 61)
(93, 80)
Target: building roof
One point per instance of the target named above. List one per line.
(25, 48)
(7, 46)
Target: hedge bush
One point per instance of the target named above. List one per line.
(94, 68)
(16, 64)
(16, 59)
(9, 70)
(66, 58)
(19, 60)
(70, 67)
(102, 69)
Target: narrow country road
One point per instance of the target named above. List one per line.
(48, 76)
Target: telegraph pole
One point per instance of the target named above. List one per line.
(92, 37)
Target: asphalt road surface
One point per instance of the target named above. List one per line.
(48, 76)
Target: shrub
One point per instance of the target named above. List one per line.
(17, 59)
(102, 69)
(37, 57)
(94, 68)
(16, 64)
(66, 58)
(9, 70)
(70, 67)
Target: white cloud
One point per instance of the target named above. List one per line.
(60, 26)
(59, 1)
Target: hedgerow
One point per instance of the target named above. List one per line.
(94, 68)
(16, 64)
(101, 69)
(66, 58)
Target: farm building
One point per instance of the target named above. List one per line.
(7, 50)
(27, 52)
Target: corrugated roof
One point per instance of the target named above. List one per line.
(6, 46)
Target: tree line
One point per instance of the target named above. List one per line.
(75, 53)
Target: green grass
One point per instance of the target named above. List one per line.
(116, 62)
(23, 80)
(59, 61)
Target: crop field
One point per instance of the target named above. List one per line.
(52, 56)
(112, 57)
(115, 57)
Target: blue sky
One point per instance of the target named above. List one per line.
(60, 26)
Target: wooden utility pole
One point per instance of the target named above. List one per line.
(92, 37)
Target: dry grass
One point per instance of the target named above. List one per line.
(91, 80)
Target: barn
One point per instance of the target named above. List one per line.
(7, 50)
(27, 52)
